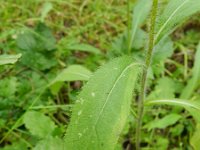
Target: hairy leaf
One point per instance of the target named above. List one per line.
(103, 106)
(175, 12)
(9, 59)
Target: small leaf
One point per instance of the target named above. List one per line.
(174, 13)
(38, 124)
(47, 7)
(196, 138)
(84, 48)
(103, 107)
(72, 73)
(194, 82)
(9, 59)
(163, 122)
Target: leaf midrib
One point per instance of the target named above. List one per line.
(110, 92)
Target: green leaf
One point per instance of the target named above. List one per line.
(175, 102)
(140, 13)
(192, 106)
(47, 7)
(72, 73)
(50, 143)
(103, 106)
(163, 50)
(165, 88)
(9, 59)
(41, 39)
(19, 145)
(163, 122)
(194, 82)
(175, 12)
(37, 47)
(84, 48)
(8, 87)
(194, 141)
(38, 124)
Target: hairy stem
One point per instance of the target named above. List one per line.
(145, 73)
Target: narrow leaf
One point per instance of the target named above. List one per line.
(192, 106)
(9, 59)
(84, 48)
(175, 102)
(175, 12)
(103, 106)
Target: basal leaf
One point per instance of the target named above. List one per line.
(194, 82)
(38, 124)
(9, 59)
(103, 106)
(175, 12)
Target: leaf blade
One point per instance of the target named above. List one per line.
(93, 128)
(175, 12)
(9, 59)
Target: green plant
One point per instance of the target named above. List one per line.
(146, 98)
(101, 112)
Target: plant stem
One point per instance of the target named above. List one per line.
(128, 25)
(145, 73)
